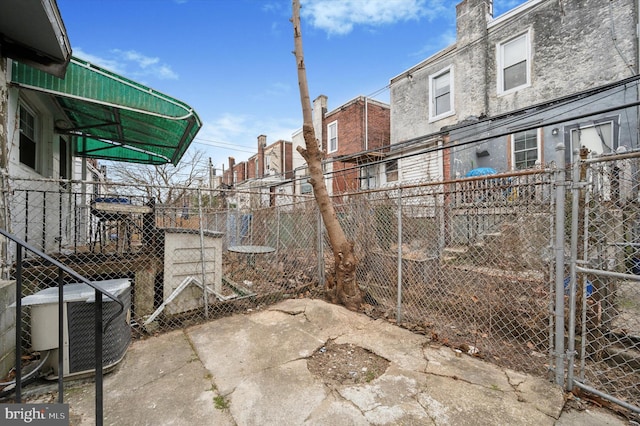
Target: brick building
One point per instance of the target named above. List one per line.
(354, 136)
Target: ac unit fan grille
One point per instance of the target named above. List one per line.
(81, 326)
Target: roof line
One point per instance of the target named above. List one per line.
(190, 112)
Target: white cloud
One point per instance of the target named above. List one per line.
(133, 56)
(109, 64)
(130, 63)
(142, 66)
(340, 16)
(236, 135)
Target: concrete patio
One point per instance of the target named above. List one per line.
(251, 369)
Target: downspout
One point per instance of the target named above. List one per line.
(366, 122)
(366, 135)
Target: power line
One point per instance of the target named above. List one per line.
(224, 145)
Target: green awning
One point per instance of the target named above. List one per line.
(112, 117)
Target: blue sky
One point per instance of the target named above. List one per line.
(232, 60)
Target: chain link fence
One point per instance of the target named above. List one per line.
(469, 263)
(466, 263)
(606, 312)
(188, 258)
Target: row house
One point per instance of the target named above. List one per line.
(355, 137)
(511, 88)
(262, 176)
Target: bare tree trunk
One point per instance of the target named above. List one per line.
(341, 286)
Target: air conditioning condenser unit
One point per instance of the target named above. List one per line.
(78, 350)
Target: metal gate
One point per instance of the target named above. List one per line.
(602, 288)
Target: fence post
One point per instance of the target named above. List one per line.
(320, 229)
(205, 296)
(399, 303)
(559, 261)
(575, 283)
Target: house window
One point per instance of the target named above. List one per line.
(64, 160)
(441, 94)
(598, 138)
(514, 63)
(368, 177)
(526, 149)
(332, 136)
(305, 186)
(27, 137)
(391, 170)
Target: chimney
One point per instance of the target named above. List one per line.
(319, 110)
(262, 142)
(232, 165)
(472, 17)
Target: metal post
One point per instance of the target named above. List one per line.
(577, 173)
(18, 323)
(60, 336)
(278, 224)
(399, 303)
(44, 220)
(320, 248)
(202, 256)
(60, 220)
(98, 356)
(559, 255)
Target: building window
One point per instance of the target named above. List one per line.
(514, 57)
(526, 149)
(332, 136)
(28, 146)
(391, 170)
(598, 138)
(368, 177)
(441, 94)
(64, 161)
(305, 186)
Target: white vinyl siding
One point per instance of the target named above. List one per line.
(421, 168)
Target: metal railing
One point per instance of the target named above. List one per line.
(99, 327)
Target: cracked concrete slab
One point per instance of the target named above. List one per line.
(286, 391)
(336, 411)
(160, 381)
(234, 348)
(396, 344)
(256, 365)
(454, 402)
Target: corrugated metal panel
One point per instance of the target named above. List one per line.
(113, 117)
